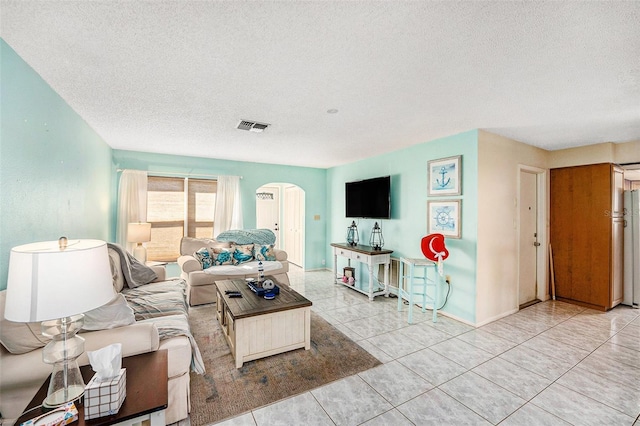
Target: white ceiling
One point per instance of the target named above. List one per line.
(176, 77)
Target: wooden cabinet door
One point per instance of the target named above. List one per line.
(581, 233)
(561, 198)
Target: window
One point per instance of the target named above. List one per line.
(178, 207)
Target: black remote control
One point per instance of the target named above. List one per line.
(235, 295)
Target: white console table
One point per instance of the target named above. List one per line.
(367, 255)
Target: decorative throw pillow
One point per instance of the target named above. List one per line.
(116, 313)
(264, 252)
(116, 270)
(221, 256)
(204, 257)
(242, 253)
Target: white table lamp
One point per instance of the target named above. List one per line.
(139, 232)
(56, 282)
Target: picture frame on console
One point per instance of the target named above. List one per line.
(443, 217)
(445, 176)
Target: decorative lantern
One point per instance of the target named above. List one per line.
(376, 241)
(352, 234)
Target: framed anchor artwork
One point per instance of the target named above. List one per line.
(445, 176)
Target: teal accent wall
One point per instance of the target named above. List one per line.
(408, 224)
(55, 171)
(254, 175)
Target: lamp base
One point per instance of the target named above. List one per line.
(66, 383)
(140, 253)
(62, 396)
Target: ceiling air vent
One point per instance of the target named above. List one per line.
(252, 126)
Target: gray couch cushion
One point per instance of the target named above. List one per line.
(158, 299)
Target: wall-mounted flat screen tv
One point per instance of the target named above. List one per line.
(370, 198)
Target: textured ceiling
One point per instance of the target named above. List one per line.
(176, 77)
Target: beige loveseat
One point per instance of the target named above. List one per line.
(201, 287)
(158, 319)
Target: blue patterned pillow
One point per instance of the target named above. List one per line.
(221, 256)
(204, 257)
(264, 252)
(242, 253)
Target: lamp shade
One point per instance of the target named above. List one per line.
(46, 281)
(139, 232)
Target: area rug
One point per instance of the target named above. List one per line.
(225, 391)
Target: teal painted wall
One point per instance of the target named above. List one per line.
(408, 223)
(55, 171)
(58, 177)
(311, 180)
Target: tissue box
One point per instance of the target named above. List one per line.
(105, 398)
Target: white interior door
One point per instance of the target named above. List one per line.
(294, 224)
(268, 210)
(529, 245)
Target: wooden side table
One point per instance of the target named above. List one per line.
(365, 255)
(147, 393)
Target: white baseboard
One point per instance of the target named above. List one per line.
(497, 317)
(317, 269)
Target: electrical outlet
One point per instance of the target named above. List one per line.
(324, 262)
(447, 278)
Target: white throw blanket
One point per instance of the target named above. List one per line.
(178, 325)
(247, 268)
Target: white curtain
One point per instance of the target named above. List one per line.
(228, 210)
(132, 204)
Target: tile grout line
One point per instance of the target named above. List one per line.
(576, 364)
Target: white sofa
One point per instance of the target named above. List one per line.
(201, 287)
(23, 371)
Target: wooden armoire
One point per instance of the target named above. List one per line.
(587, 228)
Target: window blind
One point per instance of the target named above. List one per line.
(172, 203)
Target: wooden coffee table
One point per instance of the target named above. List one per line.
(147, 393)
(255, 327)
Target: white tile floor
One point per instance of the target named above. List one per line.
(550, 364)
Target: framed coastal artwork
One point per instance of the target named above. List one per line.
(444, 218)
(445, 176)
